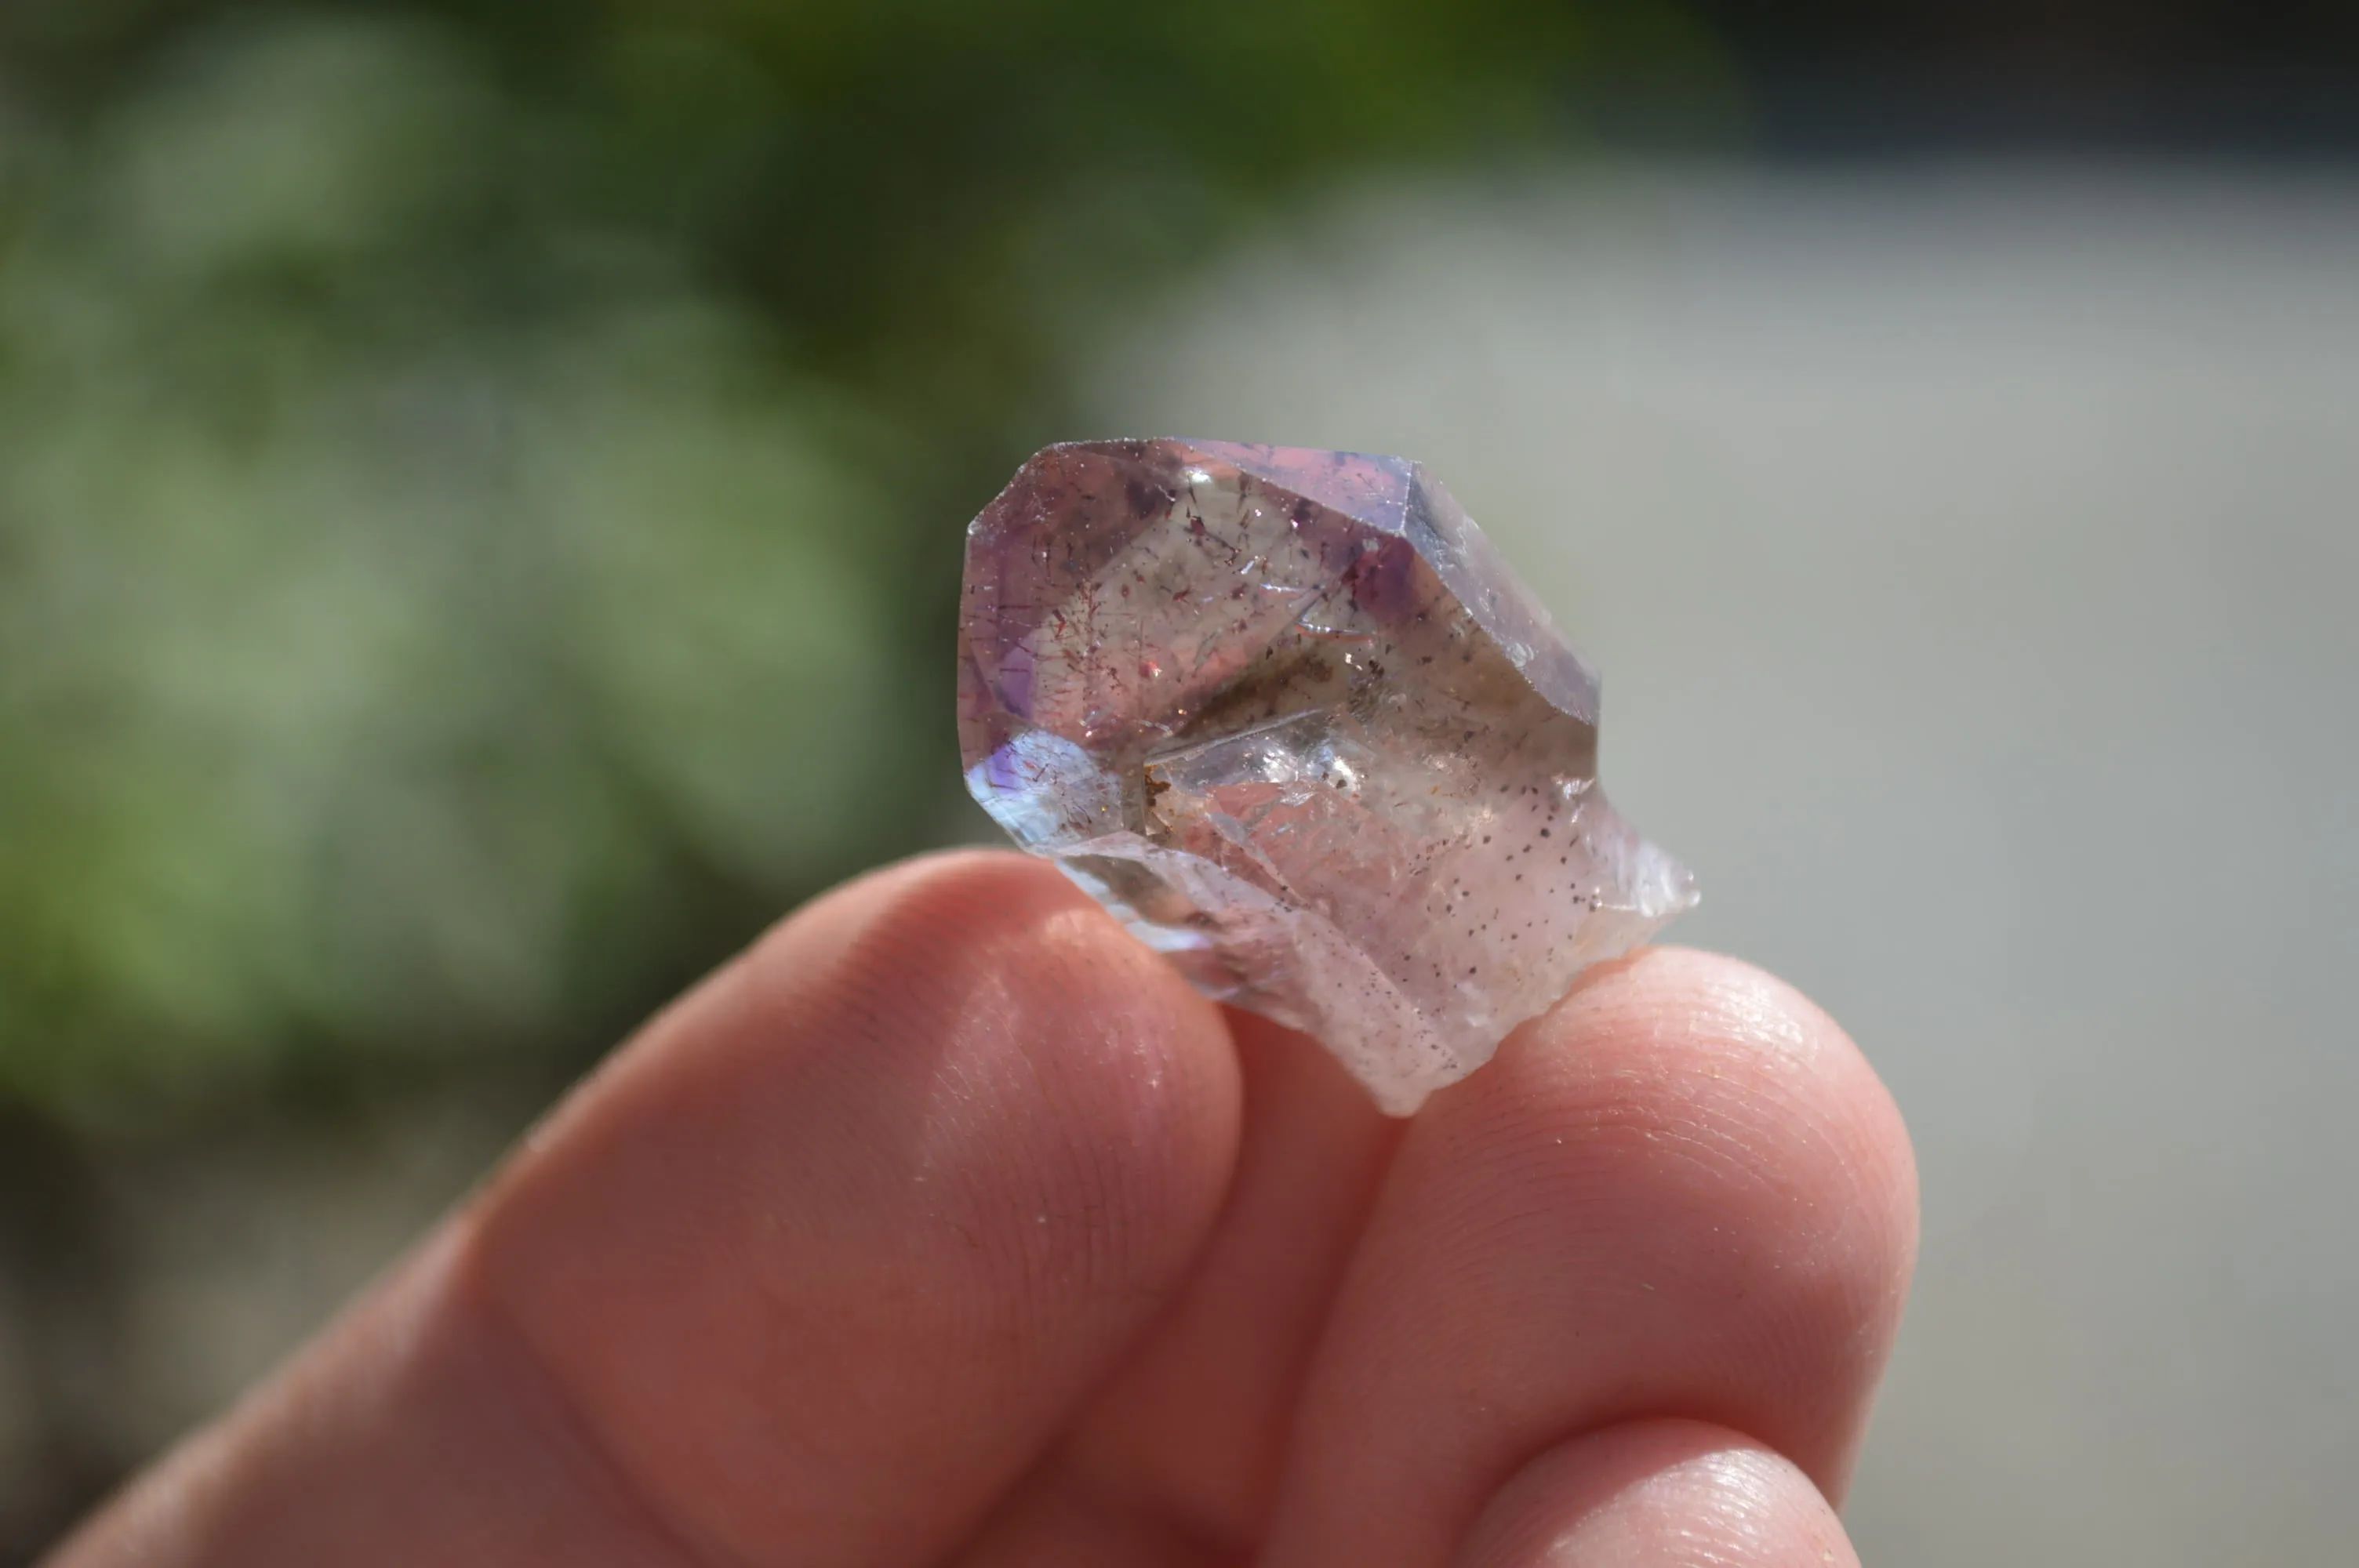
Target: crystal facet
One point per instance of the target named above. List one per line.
(1289, 715)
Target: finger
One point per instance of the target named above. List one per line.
(1178, 1459)
(1683, 1192)
(1661, 1494)
(816, 1267)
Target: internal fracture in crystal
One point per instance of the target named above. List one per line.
(1287, 714)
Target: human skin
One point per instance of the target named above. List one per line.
(947, 1226)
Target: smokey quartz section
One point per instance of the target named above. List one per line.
(1289, 715)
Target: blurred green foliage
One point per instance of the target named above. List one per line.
(479, 483)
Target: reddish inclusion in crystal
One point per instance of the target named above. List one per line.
(1289, 715)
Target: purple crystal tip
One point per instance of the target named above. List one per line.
(1290, 716)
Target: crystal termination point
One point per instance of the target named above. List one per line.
(1289, 715)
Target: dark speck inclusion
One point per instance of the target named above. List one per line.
(1287, 714)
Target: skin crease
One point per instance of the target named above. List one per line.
(948, 1226)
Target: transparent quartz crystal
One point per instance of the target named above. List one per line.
(1288, 715)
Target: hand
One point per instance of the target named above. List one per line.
(947, 1226)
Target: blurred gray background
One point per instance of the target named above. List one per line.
(1973, 555)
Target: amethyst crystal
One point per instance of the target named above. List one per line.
(1289, 715)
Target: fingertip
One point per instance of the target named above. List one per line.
(1683, 1041)
(896, 1187)
(1658, 1494)
(1000, 952)
(1782, 1129)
